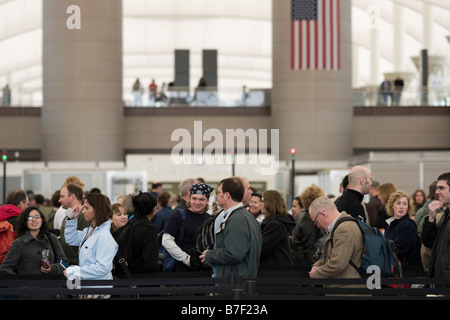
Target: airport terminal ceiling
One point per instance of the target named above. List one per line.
(241, 31)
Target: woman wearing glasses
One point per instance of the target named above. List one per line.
(34, 250)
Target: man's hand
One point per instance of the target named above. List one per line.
(433, 210)
(313, 270)
(203, 255)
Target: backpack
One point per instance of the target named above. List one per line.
(377, 250)
(6, 238)
(168, 263)
(125, 251)
(204, 239)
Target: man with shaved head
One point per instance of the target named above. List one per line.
(359, 182)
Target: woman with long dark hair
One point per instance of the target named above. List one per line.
(34, 250)
(276, 229)
(97, 247)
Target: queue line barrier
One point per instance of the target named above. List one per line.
(198, 286)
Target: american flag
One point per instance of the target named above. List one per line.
(315, 35)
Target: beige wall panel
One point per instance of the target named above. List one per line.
(403, 132)
(155, 132)
(20, 133)
(405, 176)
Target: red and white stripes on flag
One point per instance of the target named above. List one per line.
(315, 35)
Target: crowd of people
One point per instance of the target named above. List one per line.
(233, 229)
(158, 97)
(154, 95)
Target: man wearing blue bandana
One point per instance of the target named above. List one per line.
(179, 233)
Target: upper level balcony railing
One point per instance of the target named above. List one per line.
(219, 97)
(204, 97)
(412, 96)
(21, 97)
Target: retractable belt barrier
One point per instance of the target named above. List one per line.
(270, 286)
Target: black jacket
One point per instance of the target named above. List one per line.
(435, 235)
(305, 239)
(142, 246)
(276, 250)
(351, 202)
(403, 232)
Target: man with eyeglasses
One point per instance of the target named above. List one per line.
(347, 242)
(238, 239)
(435, 233)
(16, 202)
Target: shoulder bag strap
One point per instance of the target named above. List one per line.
(181, 234)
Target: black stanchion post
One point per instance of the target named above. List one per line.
(238, 294)
(233, 163)
(4, 160)
(292, 174)
(232, 279)
(250, 287)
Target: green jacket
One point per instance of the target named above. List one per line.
(238, 246)
(420, 215)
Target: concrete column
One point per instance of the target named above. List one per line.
(312, 109)
(82, 115)
(375, 56)
(399, 36)
(427, 27)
